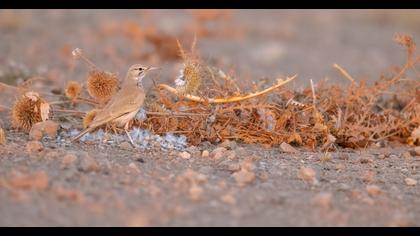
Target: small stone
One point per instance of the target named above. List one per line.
(47, 127)
(417, 150)
(263, 176)
(133, 168)
(248, 164)
(34, 146)
(193, 149)
(218, 150)
(343, 187)
(406, 155)
(228, 199)
(322, 199)
(340, 167)
(231, 155)
(285, 147)
(218, 155)
(50, 128)
(381, 156)
(138, 220)
(205, 154)
(369, 176)
(307, 174)
(68, 159)
(244, 177)
(35, 134)
(410, 181)
(373, 190)
(196, 192)
(365, 160)
(38, 180)
(68, 194)
(88, 163)
(51, 155)
(185, 155)
(230, 145)
(125, 145)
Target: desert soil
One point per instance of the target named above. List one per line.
(48, 184)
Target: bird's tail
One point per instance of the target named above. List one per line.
(81, 134)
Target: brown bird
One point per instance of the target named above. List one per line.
(124, 105)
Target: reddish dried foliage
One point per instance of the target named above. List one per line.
(356, 116)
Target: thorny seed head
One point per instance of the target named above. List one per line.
(73, 89)
(26, 111)
(88, 118)
(102, 85)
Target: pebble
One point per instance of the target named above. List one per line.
(417, 150)
(88, 163)
(285, 147)
(228, 199)
(218, 150)
(373, 190)
(406, 155)
(205, 154)
(244, 177)
(323, 199)
(185, 155)
(34, 146)
(228, 144)
(35, 134)
(307, 174)
(38, 180)
(68, 159)
(47, 127)
(133, 167)
(125, 145)
(410, 181)
(196, 192)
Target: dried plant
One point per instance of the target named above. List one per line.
(73, 90)
(207, 105)
(2, 136)
(319, 116)
(102, 85)
(88, 118)
(28, 110)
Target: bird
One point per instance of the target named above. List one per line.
(124, 105)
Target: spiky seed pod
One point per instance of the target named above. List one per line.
(26, 111)
(191, 78)
(73, 89)
(89, 118)
(102, 85)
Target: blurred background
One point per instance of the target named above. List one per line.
(249, 44)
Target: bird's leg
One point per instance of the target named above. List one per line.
(128, 134)
(114, 128)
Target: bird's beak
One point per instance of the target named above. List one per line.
(153, 68)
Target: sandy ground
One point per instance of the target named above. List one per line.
(241, 185)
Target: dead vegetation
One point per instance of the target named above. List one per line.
(206, 104)
(319, 116)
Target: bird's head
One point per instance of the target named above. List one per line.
(138, 71)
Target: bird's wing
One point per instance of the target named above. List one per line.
(120, 105)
